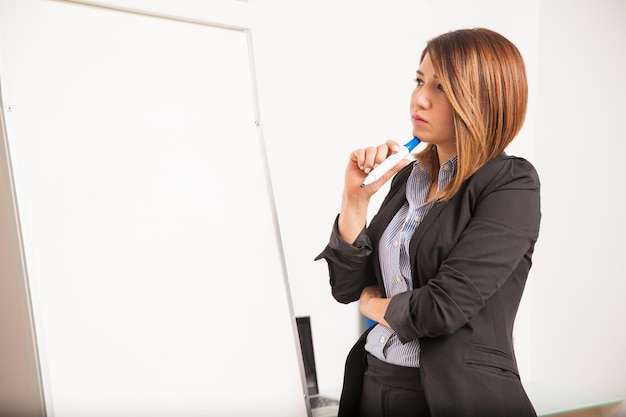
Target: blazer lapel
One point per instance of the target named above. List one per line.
(388, 209)
(432, 215)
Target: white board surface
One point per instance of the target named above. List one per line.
(157, 281)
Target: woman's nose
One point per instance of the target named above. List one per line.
(420, 98)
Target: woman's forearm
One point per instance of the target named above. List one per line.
(373, 306)
(353, 217)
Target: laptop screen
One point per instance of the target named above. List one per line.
(308, 357)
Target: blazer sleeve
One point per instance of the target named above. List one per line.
(354, 267)
(502, 208)
(347, 265)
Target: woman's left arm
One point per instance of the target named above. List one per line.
(496, 244)
(372, 304)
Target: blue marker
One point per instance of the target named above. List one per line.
(391, 161)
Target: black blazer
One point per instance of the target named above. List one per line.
(470, 258)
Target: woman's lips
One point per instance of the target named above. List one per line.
(418, 120)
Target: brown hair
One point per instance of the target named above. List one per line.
(484, 77)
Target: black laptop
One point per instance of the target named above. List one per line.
(308, 357)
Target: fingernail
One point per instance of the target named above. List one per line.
(367, 170)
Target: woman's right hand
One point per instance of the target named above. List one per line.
(355, 199)
(362, 161)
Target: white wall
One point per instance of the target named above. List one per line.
(334, 76)
(579, 314)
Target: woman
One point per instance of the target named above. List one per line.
(442, 266)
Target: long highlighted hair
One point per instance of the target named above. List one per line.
(484, 77)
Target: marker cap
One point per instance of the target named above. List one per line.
(410, 145)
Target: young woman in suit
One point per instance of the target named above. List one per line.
(442, 266)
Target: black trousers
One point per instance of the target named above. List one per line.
(392, 391)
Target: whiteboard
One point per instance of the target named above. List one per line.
(148, 226)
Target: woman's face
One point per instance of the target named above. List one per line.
(431, 111)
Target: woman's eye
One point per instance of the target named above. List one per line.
(418, 81)
(439, 86)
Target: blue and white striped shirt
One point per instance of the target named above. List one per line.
(382, 342)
